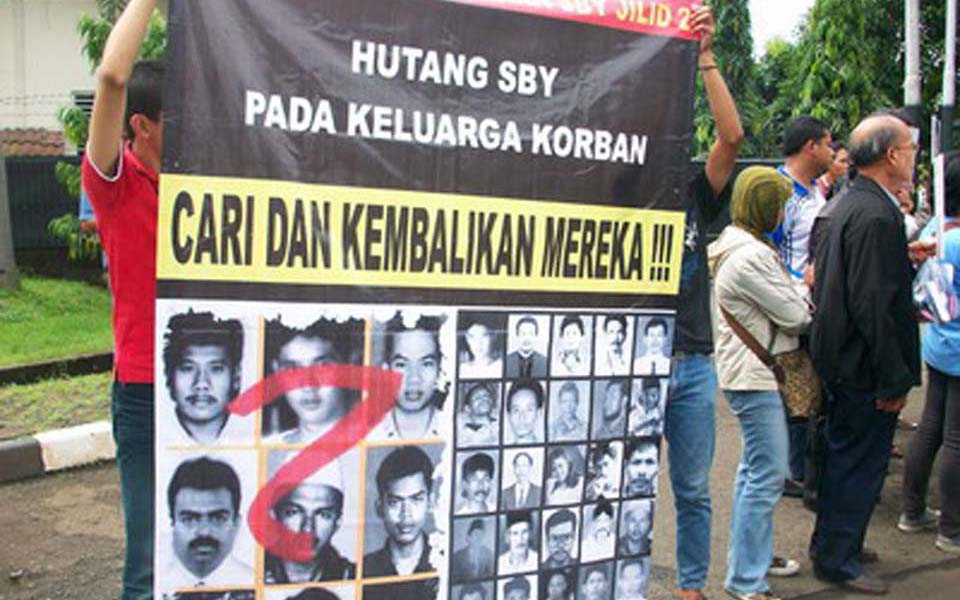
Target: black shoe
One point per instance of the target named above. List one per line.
(866, 584)
(868, 556)
(792, 488)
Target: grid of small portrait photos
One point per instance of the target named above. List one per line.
(240, 410)
(558, 422)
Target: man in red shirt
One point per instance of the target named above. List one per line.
(120, 177)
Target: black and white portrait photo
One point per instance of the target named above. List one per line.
(248, 594)
(564, 475)
(603, 470)
(528, 338)
(561, 530)
(473, 591)
(324, 506)
(478, 411)
(647, 406)
(596, 581)
(636, 528)
(337, 592)
(611, 398)
(599, 531)
(410, 344)
(204, 543)
(400, 502)
(519, 542)
(304, 414)
(421, 589)
(473, 555)
(572, 334)
(202, 366)
(559, 584)
(473, 543)
(523, 412)
(632, 577)
(654, 346)
(522, 478)
(569, 410)
(614, 345)
(480, 344)
(476, 482)
(642, 465)
(518, 587)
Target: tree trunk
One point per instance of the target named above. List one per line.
(9, 277)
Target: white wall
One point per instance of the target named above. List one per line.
(40, 60)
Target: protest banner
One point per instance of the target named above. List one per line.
(417, 272)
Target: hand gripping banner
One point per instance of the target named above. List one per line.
(417, 270)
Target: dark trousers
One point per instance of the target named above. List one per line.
(132, 408)
(814, 458)
(857, 442)
(939, 427)
(797, 430)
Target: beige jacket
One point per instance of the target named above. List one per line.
(751, 283)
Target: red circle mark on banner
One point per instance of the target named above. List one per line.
(381, 387)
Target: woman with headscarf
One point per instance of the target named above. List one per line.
(755, 289)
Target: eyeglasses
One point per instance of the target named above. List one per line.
(912, 146)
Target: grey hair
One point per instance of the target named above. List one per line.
(872, 145)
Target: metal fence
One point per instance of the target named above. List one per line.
(36, 197)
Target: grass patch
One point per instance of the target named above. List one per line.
(53, 318)
(54, 403)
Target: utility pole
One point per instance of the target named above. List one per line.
(949, 78)
(9, 277)
(911, 81)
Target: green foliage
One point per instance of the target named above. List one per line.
(834, 77)
(75, 125)
(80, 244)
(69, 177)
(774, 78)
(733, 48)
(94, 31)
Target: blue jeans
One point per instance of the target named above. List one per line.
(132, 408)
(690, 430)
(759, 484)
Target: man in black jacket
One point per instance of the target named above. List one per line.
(865, 344)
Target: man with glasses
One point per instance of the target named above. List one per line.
(864, 343)
(561, 532)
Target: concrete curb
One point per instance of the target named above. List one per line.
(78, 365)
(55, 450)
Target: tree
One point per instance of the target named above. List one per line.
(733, 48)
(776, 74)
(835, 77)
(93, 33)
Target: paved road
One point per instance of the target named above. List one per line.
(60, 537)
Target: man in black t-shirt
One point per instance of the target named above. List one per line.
(690, 410)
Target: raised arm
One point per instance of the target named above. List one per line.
(109, 105)
(723, 154)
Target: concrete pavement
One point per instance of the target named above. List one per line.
(62, 536)
(914, 567)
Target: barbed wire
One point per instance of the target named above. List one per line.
(38, 98)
